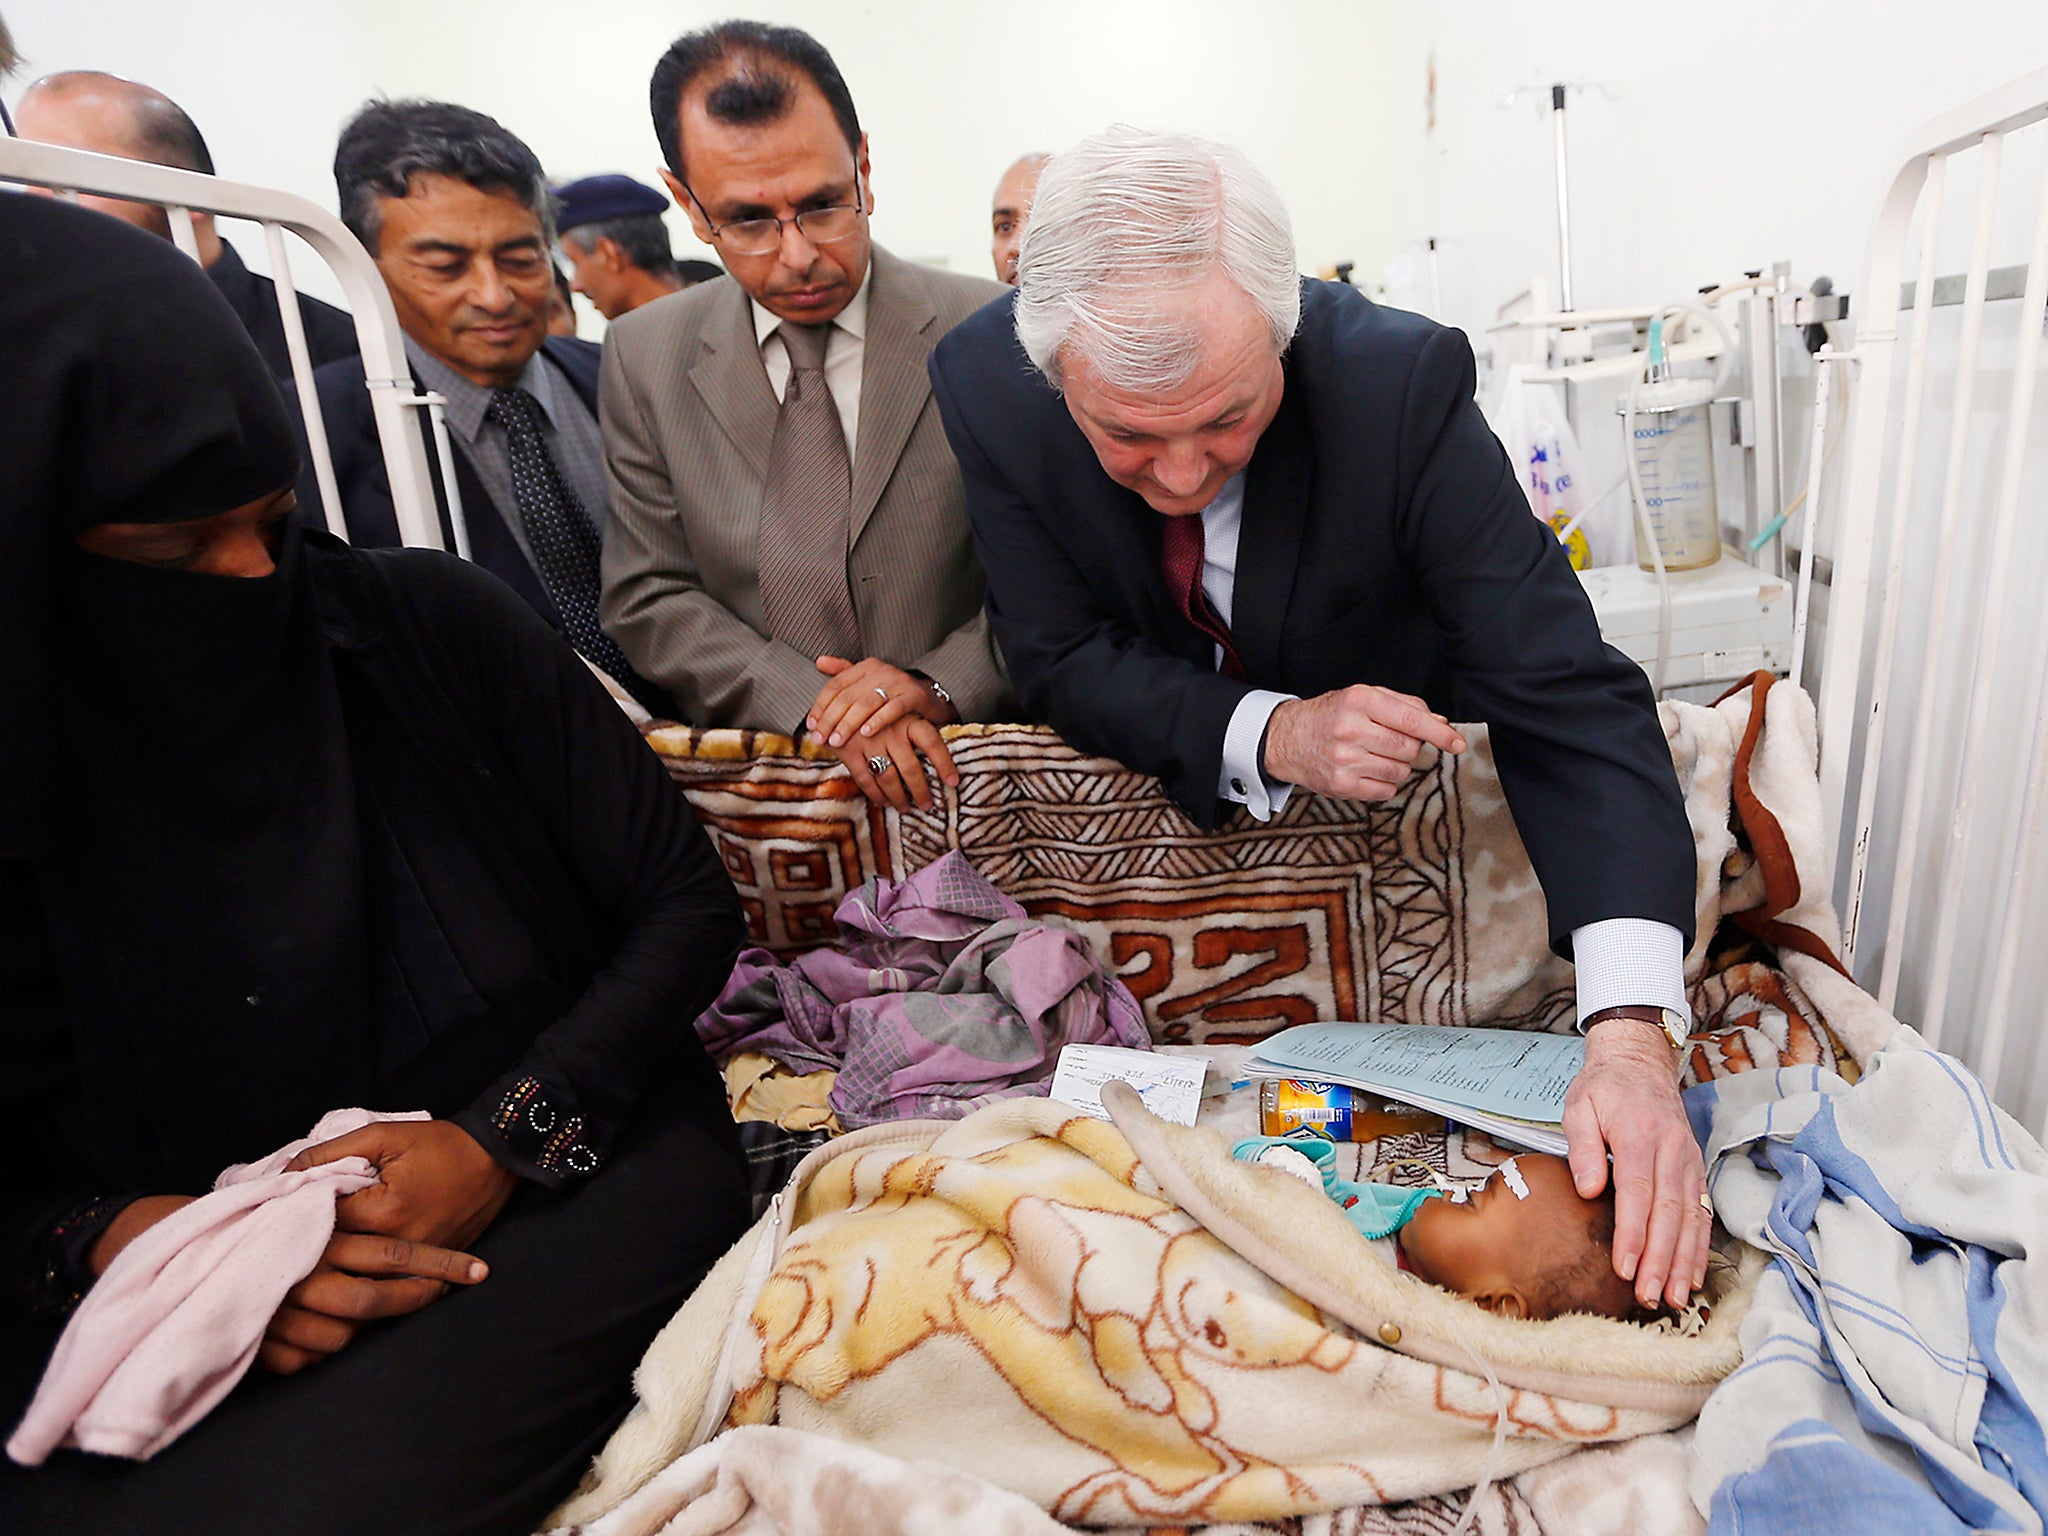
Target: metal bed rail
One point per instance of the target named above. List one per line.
(1975, 688)
(395, 399)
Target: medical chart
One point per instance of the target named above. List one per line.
(1508, 1083)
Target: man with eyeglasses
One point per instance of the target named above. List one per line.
(789, 548)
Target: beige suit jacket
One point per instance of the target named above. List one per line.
(688, 418)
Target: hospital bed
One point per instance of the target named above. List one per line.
(1933, 682)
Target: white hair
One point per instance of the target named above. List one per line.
(1127, 218)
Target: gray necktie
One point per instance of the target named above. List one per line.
(805, 508)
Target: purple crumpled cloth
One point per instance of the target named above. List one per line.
(940, 996)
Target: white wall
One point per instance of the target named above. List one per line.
(949, 92)
(1764, 135)
(1740, 133)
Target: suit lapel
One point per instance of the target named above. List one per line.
(893, 382)
(728, 377)
(1276, 495)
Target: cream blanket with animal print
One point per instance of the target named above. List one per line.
(1033, 1297)
(1124, 1327)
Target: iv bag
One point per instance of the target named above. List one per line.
(1548, 463)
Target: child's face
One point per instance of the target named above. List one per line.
(1506, 1252)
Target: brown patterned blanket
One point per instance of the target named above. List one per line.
(1421, 910)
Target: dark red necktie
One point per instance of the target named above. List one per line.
(1180, 557)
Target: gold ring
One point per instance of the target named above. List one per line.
(1706, 1203)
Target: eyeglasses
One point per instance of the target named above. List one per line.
(759, 237)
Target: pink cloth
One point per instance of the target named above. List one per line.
(177, 1318)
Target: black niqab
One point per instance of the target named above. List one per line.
(189, 792)
(122, 400)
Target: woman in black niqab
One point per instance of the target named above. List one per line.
(284, 828)
(191, 796)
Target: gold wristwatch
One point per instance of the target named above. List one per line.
(1677, 1028)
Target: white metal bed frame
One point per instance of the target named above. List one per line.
(394, 397)
(1882, 516)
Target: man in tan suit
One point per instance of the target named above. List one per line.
(789, 547)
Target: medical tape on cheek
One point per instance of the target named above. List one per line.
(1511, 1175)
(1456, 1193)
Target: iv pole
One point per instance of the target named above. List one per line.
(1557, 93)
(1564, 199)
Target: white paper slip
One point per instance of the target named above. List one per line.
(1170, 1086)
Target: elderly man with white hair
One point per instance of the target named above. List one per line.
(1249, 532)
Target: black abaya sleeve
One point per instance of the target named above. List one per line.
(52, 1206)
(626, 835)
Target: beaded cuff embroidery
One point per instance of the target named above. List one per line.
(537, 1129)
(66, 1272)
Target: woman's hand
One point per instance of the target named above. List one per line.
(136, 1218)
(358, 1280)
(437, 1185)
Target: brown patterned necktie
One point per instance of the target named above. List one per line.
(1180, 559)
(805, 508)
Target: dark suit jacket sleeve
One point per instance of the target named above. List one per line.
(1573, 723)
(330, 332)
(1073, 661)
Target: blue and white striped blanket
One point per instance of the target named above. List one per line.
(1896, 1356)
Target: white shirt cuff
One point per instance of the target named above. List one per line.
(1242, 778)
(1629, 962)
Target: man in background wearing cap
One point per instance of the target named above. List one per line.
(617, 247)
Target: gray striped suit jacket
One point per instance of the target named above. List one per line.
(688, 418)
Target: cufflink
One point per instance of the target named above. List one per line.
(1237, 786)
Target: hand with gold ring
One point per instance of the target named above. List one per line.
(876, 717)
(864, 698)
(890, 769)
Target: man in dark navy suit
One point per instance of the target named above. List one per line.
(455, 210)
(1250, 533)
(85, 109)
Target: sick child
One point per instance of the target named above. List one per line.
(1524, 1244)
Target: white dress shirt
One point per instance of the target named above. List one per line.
(1621, 961)
(844, 349)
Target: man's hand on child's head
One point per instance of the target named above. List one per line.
(1624, 1102)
